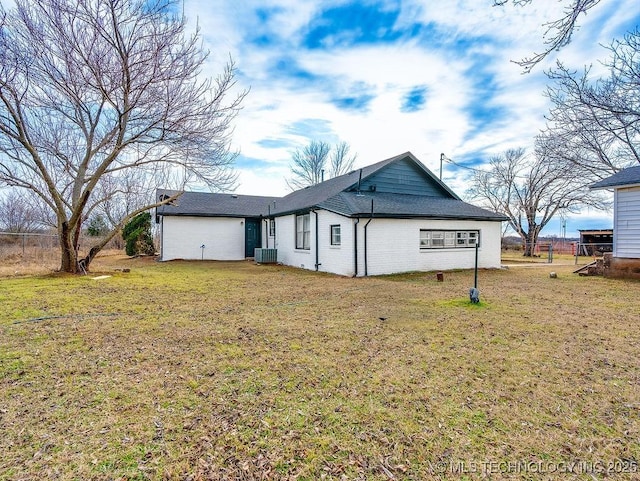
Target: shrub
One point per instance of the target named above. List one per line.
(137, 236)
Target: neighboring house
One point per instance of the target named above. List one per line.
(390, 217)
(625, 261)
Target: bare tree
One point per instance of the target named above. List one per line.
(341, 160)
(18, 213)
(595, 124)
(530, 191)
(310, 163)
(95, 94)
(558, 32)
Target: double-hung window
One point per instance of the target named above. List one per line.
(335, 235)
(303, 231)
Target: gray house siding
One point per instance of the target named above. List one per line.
(403, 177)
(627, 223)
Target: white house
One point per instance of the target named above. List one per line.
(199, 225)
(390, 217)
(625, 261)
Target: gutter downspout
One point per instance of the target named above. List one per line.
(317, 242)
(161, 237)
(266, 229)
(365, 240)
(275, 231)
(355, 247)
(266, 223)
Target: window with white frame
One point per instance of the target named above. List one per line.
(303, 231)
(335, 235)
(448, 239)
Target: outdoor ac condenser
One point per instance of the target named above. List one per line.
(266, 256)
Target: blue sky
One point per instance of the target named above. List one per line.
(387, 77)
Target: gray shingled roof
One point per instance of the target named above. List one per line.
(625, 177)
(205, 204)
(352, 204)
(313, 195)
(316, 194)
(336, 195)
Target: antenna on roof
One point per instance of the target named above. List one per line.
(359, 182)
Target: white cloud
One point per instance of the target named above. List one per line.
(465, 70)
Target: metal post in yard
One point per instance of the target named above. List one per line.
(474, 293)
(550, 256)
(475, 273)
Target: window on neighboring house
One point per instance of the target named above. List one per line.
(272, 227)
(303, 231)
(335, 235)
(446, 239)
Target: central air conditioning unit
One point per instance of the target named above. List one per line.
(266, 256)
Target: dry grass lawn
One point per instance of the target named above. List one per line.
(223, 371)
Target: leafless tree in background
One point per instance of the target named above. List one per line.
(558, 32)
(341, 160)
(310, 163)
(18, 213)
(101, 101)
(595, 124)
(530, 191)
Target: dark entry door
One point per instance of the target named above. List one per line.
(251, 236)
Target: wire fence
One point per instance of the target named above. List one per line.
(24, 246)
(40, 248)
(544, 251)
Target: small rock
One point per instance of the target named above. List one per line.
(553, 275)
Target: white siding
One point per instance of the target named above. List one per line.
(285, 242)
(393, 245)
(268, 241)
(336, 259)
(626, 228)
(223, 238)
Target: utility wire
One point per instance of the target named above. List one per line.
(479, 171)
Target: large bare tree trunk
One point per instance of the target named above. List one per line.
(102, 102)
(530, 241)
(69, 244)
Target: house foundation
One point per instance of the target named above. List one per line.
(621, 268)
